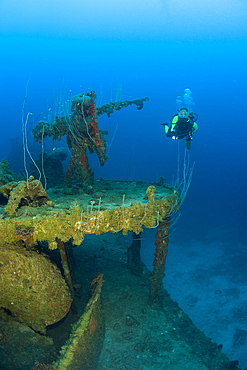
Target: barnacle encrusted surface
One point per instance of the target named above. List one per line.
(32, 288)
(108, 206)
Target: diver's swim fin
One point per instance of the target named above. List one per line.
(188, 144)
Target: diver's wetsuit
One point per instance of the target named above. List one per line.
(182, 128)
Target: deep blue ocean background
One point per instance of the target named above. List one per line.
(51, 50)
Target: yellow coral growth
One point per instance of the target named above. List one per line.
(32, 288)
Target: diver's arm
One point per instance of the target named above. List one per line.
(175, 119)
(173, 127)
(171, 130)
(168, 128)
(195, 127)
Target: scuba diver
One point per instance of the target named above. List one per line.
(183, 125)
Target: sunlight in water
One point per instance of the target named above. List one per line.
(129, 19)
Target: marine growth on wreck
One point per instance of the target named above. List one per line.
(33, 289)
(82, 132)
(36, 291)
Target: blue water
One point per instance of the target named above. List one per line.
(52, 50)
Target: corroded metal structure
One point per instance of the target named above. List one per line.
(128, 206)
(80, 126)
(33, 216)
